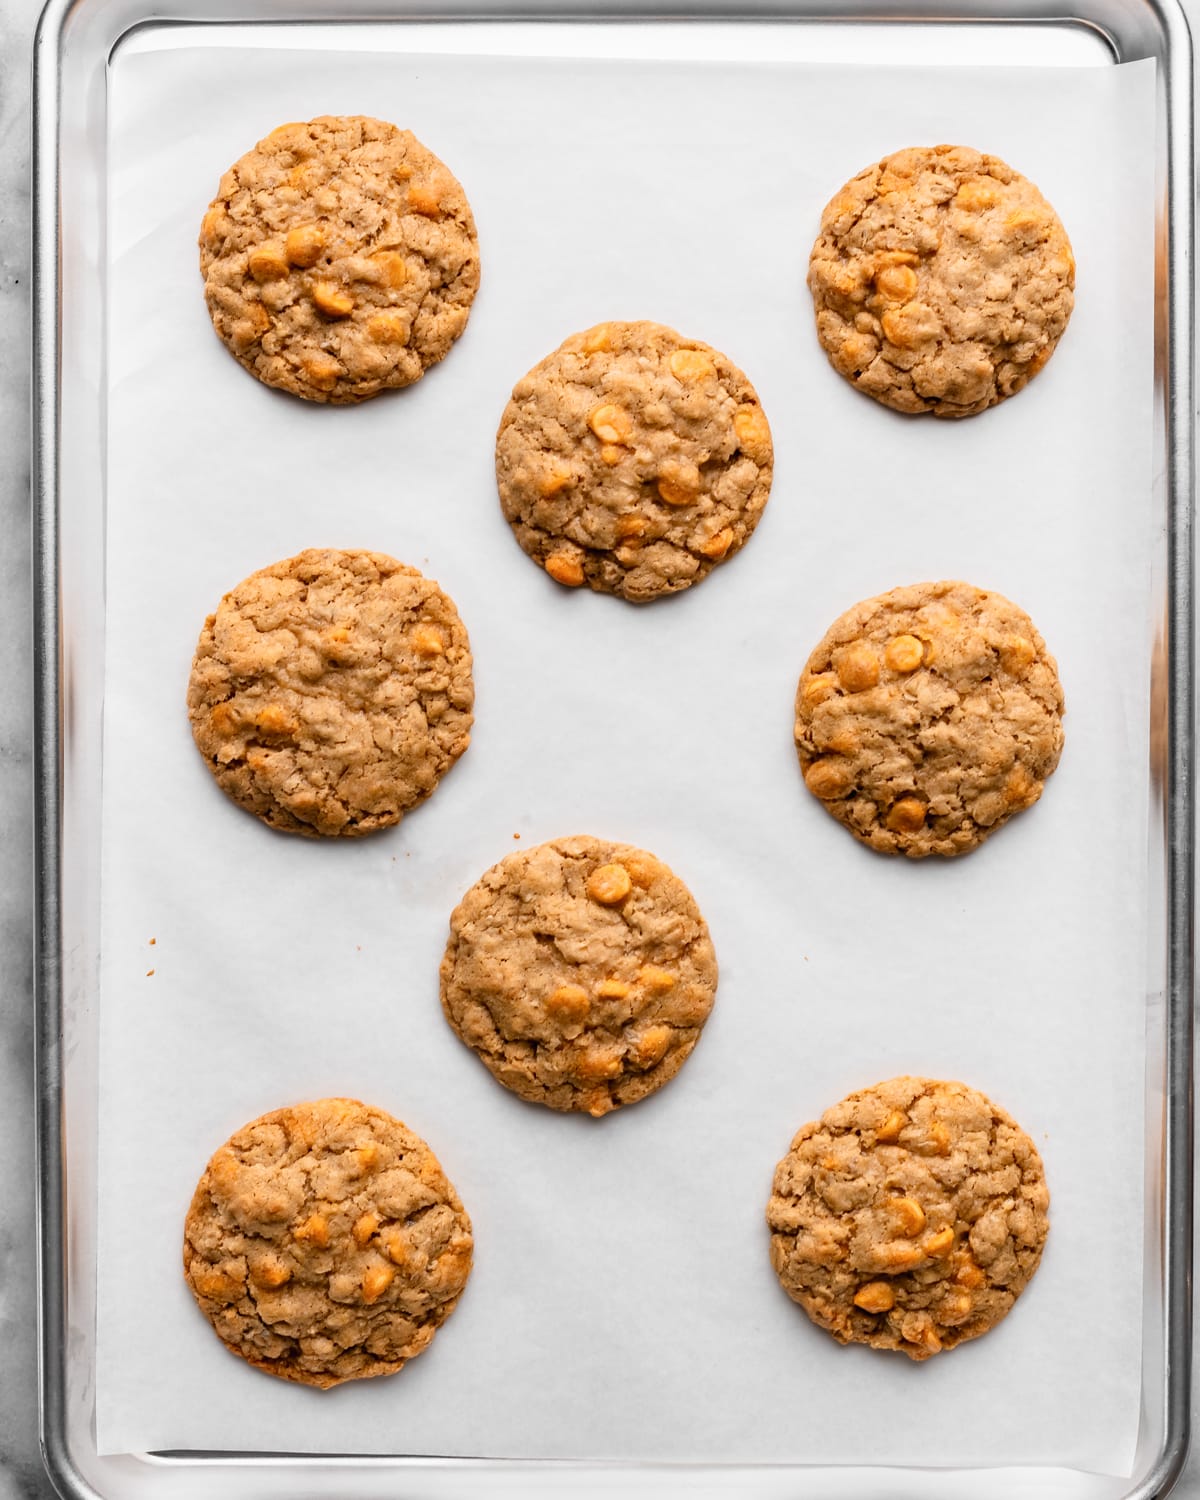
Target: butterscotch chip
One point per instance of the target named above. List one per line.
(564, 569)
(649, 436)
(288, 1243)
(920, 726)
(851, 1193)
(904, 653)
(339, 259)
(317, 699)
(609, 884)
(942, 281)
(579, 987)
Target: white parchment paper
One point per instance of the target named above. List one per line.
(622, 1304)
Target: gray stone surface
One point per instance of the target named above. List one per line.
(21, 1474)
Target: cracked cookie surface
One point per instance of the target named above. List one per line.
(580, 972)
(929, 716)
(910, 1216)
(330, 692)
(324, 1243)
(633, 460)
(339, 259)
(942, 281)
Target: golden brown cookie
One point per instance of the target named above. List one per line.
(324, 1243)
(633, 460)
(910, 1216)
(942, 281)
(330, 692)
(580, 972)
(339, 259)
(927, 717)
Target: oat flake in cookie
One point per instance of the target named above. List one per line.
(633, 460)
(910, 1216)
(928, 717)
(581, 972)
(324, 1243)
(339, 259)
(942, 281)
(331, 692)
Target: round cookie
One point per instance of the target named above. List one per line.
(633, 460)
(927, 717)
(580, 972)
(331, 692)
(910, 1216)
(339, 259)
(942, 281)
(324, 1243)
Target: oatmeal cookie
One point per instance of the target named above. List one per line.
(324, 1243)
(633, 460)
(927, 717)
(331, 692)
(580, 972)
(339, 259)
(942, 281)
(910, 1216)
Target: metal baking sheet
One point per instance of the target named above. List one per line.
(179, 1472)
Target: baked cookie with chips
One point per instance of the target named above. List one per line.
(339, 259)
(324, 1243)
(633, 460)
(942, 281)
(910, 1216)
(331, 692)
(928, 717)
(580, 972)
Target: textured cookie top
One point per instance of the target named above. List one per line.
(633, 460)
(942, 281)
(331, 691)
(927, 717)
(324, 1243)
(339, 259)
(910, 1216)
(581, 973)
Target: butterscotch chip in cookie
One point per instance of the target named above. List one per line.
(324, 1243)
(910, 1216)
(633, 460)
(339, 259)
(581, 972)
(942, 281)
(928, 717)
(331, 692)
